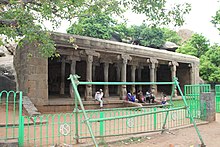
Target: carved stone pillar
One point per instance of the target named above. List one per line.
(118, 70)
(194, 73)
(72, 71)
(139, 78)
(125, 59)
(123, 78)
(173, 65)
(106, 89)
(89, 61)
(89, 76)
(62, 84)
(133, 69)
(153, 77)
(93, 78)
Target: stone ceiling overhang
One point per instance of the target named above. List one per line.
(88, 43)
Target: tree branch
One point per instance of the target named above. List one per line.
(5, 2)
(8, 22)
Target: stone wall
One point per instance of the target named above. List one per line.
(209, 100)
(32, 73)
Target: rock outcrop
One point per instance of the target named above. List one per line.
(7, 71)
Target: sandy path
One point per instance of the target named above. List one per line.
(181, 138)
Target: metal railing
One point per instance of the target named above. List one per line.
(94, 125)
(88, 121)
(11, 113)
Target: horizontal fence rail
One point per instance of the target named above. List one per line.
(59, 129)
(126, 83)
(94, 126)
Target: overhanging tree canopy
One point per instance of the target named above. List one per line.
(25, 17)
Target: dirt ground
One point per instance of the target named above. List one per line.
(179, 138)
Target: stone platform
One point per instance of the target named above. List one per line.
(68, 104)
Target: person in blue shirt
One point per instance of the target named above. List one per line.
(131, 97)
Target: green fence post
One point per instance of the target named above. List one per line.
(155, 118)
(190, 114)
(76, 111)
(74, 81)
(217, 98)
(171, 97)
(102, 128)
(21, 132)
(21, 122)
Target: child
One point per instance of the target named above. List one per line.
(140, 96)
(164, 100)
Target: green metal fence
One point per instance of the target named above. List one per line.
(192, 94)
(90, 121)
(94, 126)
(10, 113)
(60, 129)
(217, 98)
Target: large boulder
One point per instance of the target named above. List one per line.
(2, 52)
(7, 72)
(185, 34)
(170, 46)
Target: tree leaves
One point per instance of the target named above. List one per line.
(30, 14)
(197, 45)
(216, 20)
(200, 47)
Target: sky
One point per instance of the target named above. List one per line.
(198, 20)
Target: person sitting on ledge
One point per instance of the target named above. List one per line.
(140, 96)
(98, 97)
(149, 97)
(131, 97)
(164, 99)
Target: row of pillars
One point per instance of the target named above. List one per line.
(121, 75)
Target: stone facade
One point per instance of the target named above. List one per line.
(32, 73)
(99, 60)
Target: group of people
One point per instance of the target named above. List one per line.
(139, 97)
(148, 98)
(133, 97)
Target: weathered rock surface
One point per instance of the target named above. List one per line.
(169, 46)
(7, 72)
(30, 107)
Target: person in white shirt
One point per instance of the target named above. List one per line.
(98, 97)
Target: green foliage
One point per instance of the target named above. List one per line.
(172, 36)
(123, 31)
(210, 63)
(97, 26)
(103, 26)
(216, 20)
(197, 45)
(22, 17)
(152, 37)
(158, 14)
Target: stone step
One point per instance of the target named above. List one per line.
(30, 107)
(9, 143)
